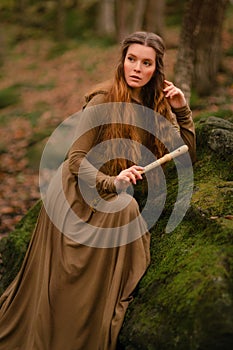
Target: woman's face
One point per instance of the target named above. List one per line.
(139, 65)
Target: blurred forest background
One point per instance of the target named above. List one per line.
(52, 52)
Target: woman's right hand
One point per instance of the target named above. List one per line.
(127, 177)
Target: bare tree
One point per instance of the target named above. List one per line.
(121, 17)
(154, 17)
(139, 15)
(106, 18)
(126, 22)
(199, 51)
(208, 45)
(60, 20)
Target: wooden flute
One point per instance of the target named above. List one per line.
(166, 158)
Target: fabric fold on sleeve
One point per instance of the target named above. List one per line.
(187, 128)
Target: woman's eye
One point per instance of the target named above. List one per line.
(147, 63)
(131, 59)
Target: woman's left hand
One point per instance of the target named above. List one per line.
(174, 95)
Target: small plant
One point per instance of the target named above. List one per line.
(9, 96)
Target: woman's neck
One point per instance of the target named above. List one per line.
(136, 95)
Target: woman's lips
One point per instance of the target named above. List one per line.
(135, 77)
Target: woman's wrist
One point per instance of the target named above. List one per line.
(182, 112)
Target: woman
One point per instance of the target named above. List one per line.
(72, 291)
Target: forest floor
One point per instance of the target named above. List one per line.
(43, 83)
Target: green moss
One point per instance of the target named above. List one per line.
(9, 96)
(57, 50)
(213, 204)
(221, 113)
(13, 247)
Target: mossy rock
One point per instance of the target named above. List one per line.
(185, 300)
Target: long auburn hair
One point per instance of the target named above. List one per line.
(152, 96)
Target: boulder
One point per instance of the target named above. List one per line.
(219, 135)
(185, 300)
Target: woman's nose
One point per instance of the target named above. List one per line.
(137, 66)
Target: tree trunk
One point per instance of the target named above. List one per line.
(207, 43)
(60, 25)
(200, 46)
(155, 16)
(106, 20)
(139, 14)
(185, 58)
(121, 16)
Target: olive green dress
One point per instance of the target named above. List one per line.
(70, 295)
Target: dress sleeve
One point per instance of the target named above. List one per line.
(79, 165)
(187, 128)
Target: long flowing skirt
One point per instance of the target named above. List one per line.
(69, 295)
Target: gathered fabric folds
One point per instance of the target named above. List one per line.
(69, 295)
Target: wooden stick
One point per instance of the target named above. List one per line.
(166, 158)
